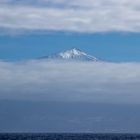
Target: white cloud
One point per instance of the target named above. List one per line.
(88, 82)
(76, 15)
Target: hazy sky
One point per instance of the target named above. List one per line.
(38, 95)
(107, 29)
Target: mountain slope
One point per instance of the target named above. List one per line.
(71, 55)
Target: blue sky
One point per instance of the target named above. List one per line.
(118, 47)
(109, 30)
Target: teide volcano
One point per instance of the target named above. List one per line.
(71, 55)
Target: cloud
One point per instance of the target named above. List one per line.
(70, 82)
(87, 16)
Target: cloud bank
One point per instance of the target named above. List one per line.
(70, 82)
(87, 16)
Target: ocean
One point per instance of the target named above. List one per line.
(67, 136)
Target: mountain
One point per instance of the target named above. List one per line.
(71, 55)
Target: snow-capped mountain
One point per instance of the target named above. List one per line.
(72, 55)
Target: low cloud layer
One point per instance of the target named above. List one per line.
(88, 16)
(70, 82)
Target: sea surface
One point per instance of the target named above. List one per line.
(67, 136)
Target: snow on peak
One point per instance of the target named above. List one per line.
(72, 54)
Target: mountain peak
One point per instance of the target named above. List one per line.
(73, 54)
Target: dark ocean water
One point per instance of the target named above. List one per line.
(66, 136)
